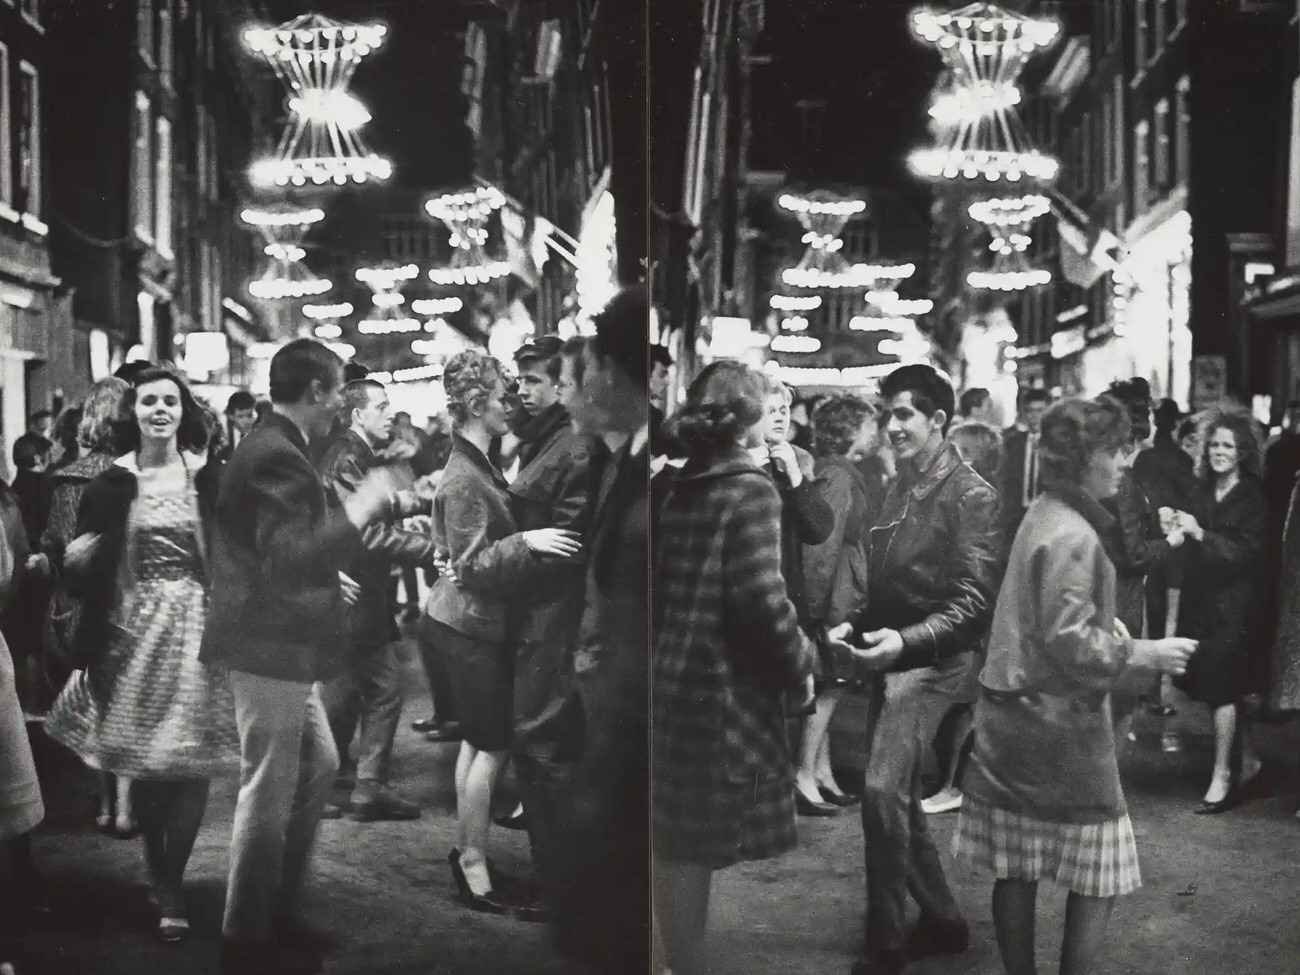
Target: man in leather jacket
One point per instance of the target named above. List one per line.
(369, 693)
(932, 564)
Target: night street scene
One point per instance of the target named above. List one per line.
(683, 487)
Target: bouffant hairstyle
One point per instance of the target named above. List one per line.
(1075, 429)
(723, 401)
(106, 418)
(1242, 426)
(836, 423)
(931, 389)
(192, 434)
(980, 446)
(774, 387)
(468, 379)
(1135, 394)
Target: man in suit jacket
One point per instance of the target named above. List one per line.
(1020, 472)
(277, 621)
(605, 912)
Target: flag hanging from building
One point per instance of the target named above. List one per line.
(1088, 250)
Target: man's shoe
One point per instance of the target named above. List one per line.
(517, 819)
(932, 937)
(372, 802)
(879, 963)
(945, 800)
(425, 725)
(447, 731)
(254, 958)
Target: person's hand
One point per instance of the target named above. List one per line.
(38, 564)
(841, 633)
(351, 589)
(880, 649)
(427, 485)
(1168, 518)
(1121, 630)
(760, 455)
(81, 550)
(787, 463)
(373, 498)
(398, 450)
(1167, 656)
(1176, 538)
(558, 542)
(419, 523)
(1189, 526)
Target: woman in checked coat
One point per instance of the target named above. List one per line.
(727, 650)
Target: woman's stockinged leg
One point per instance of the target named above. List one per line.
(1225, 730)
(476, 818)
(1014, 902)
(151, 802)
(815, 728)
(187, 803)
(1085, 927)
(464, 761)
(681, 906)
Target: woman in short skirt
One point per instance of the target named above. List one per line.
(1043, 797)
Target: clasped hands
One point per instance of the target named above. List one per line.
(1179, 526)
(878, 649)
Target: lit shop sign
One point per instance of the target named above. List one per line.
(597, 255)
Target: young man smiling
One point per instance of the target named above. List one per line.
(932, 568)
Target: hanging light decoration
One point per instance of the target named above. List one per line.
(795, 302)
(794, 323)
(436, 306)
(1010, 270)
(316, 57)
(823, 215)
(795, 343)
(1018, 211)
(386, 316)
(466, 216)
(985, 49)
(285, 276)
(327, 312)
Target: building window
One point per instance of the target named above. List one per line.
(1141, 165)
(166, 52)
(144, 28)
(1182, 123)
(1140, 36)
(29, 140)
(142, 169)
(6, 135)
(163, 180)
(1162, 149)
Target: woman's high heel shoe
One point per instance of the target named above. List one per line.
(489, 903)
(808, 807)
(837, 798)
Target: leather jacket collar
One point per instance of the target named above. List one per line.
(941, 466)
(459, 445)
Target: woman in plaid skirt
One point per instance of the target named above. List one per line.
(727, 648)
(1043, 796)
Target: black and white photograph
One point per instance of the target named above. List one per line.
(649, 487)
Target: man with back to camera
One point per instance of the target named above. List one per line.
(977, 404)
(367, 696)
(550, 491)
(1020, 471)
(277, 622)
(932, 564)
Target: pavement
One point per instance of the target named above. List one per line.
(383, 891)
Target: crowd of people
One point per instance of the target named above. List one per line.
(1005, 600)
(188, 597)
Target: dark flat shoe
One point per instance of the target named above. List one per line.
(1230, 801)
(806, 807)
(512, 822)
(489, 903)
(838, 798)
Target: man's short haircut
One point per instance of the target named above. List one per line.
(622, 334)
(931, 389)
(356, 396)
(660, 356)
(544, 349)
(972, 400)
(295, 365)
(353, 370)
(28, 449)
(240, 399)
(40, 415)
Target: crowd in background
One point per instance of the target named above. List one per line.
(189, 595)
(1006, 600)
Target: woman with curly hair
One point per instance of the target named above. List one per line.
(145, 707)
(727, 650)
(467, 616)
(1043, 797)
(1226, 534)
(834, 574)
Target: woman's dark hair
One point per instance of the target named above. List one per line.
(192, 434)
(931, 389)
(723, 401)
(980, 446)
(1242, 427)
(1075, 429)
(836, 423)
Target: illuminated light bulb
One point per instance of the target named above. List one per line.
(796, 323)
(319, 312)
(388, 299)
(327, 331)
(436, 306)
(796, 343)
(285, 253)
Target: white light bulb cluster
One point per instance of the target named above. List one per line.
(286, 253)
(386, 278)
(327, 331)
(388, 299)
(822, 205)
(966, 104)
(316, 57)
(1015, 211)
(436, 306)
(985, 27)
(466, 215)
(281, 289)
(1009, 280)
(823, 215)
(992, 166)
(795, 302)
(388, 326)
(1010, 244)
(851, 276)
(286, 217)
(285, 276)
(795, 343)
(878, 323)
(890, 304)
(413, 374)
(830, 376)
(823, 242)
(327, 312)
(794, 323)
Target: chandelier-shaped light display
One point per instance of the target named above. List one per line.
(1010, 270)
(1017, 211)
(823, 215)
(466, 216)
(387, 314)
(285, 276)
(985, 49)
(315, 57)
